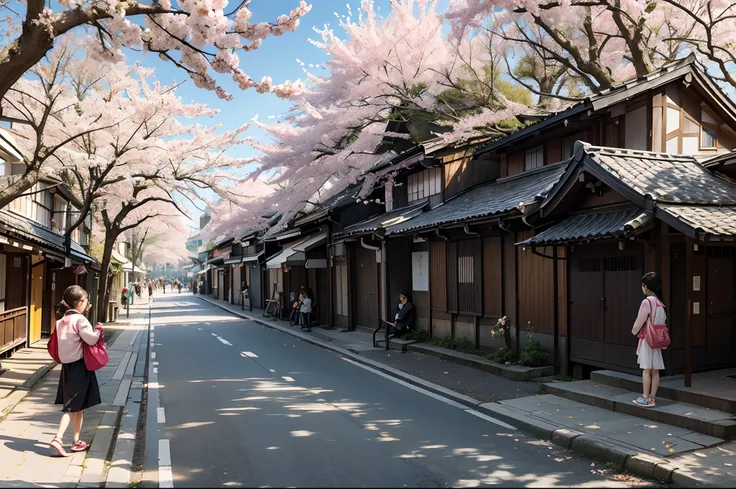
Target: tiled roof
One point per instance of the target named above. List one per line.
(489, 199)
(588, 227)
(713, 220)
(392, 218)
(666, 178)
(36, 233)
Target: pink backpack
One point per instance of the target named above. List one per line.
(656, 335)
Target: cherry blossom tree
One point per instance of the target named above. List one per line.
(199, 37)
(397, 69)
(603, 42)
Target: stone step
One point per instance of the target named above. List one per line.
(669, 388)
(689, 416)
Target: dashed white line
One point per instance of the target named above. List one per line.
(288, 379)
(165, 477)
(271, 370)
(155, 363)
(224, 341)
(160, 415)
(248, 354)
(164, 453)
(155, 370)
(153, 354)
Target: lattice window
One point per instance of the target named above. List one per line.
(620, 264)
(588, 265)
(534, 158)
(424, 184)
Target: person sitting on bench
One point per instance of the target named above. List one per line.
(404, 317)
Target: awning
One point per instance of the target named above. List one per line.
(383, 221)
(252, 258)
(118, 258)
(286, 255)
(312, 242)
(233, 260)
(316, 263)
(217, 261)
(589, 227)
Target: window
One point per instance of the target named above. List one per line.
(534, 158)
(707, 137)
(424, 184)
(465, 270)
(59, 216)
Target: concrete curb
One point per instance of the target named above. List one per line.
(638, 463)
(37, 375)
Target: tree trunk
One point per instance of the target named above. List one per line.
(103, 287)
(18, 185)
(20, 56)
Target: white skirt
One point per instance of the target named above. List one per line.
(648, 357)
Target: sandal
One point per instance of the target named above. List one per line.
(79, 446)
(58, 447)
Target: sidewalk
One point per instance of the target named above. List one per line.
(644, 448)
(27, 430)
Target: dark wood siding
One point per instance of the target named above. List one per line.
(536, 302)
(399, 269)
(438, 275)
(492, 279)
(16, 280)
(470, 285)
(366, 287)
(721, 307)
(515, 163)
(509, 277)
(452, 305)
(462, 174)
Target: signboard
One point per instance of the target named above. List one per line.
(420, 271)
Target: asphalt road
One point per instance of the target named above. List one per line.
(249, 406)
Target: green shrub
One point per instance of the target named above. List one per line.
(415, 334)
(457, 344)
(502, 355)
(533, 355)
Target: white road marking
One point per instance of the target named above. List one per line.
(224, 341)
(155, 370)
(288, 379)
(164, 453)
(165, 477)
(160, 415)
(155, 363)
(199, 329)
(490, 419)
(213, 334)
(153, 354)
(271, 370)
(248, 354)
(433, 395)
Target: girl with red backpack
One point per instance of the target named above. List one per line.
(651, 329)
(76, 345)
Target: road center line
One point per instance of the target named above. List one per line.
(160, 415)
(288, 379)
(224, 341)
(248, 354)
(153, 354)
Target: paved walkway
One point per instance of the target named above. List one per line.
(25, 433)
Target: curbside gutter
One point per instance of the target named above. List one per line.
(638, 463)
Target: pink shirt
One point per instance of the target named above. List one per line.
(72, 329)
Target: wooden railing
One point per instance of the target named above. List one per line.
(12, 328)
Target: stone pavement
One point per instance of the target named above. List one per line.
(27, 430)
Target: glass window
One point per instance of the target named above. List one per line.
(424, 184)
(707, 137)
(534, 158)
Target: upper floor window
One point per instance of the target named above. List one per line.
(708, 138)
(33, 204)
(59, 215)
(534, 158)
(424, 184)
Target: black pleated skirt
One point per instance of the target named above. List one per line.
(78, 388)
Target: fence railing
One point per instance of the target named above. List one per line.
(12, 328)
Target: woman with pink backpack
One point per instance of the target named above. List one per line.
(650, 327)
(78, 388)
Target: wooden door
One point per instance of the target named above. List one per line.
(586, 304)
(366, 288)
(720, 337)
(254, 292)
(622, 287)
(37, 274)
(16, 281)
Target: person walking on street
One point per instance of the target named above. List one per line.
(78, 389)
(150, 290)
(652, 310)
(305, 309)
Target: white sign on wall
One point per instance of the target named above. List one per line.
(420, 271)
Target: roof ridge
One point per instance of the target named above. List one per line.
(639, 152)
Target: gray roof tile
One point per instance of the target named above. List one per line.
(386, 220)
(489, 199)
(588, 227)
(665, 177)
(717, 221)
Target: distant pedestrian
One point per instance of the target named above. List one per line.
(150, 289)
(651, 311)
(305, 309)
(78, 389)
(180, 286)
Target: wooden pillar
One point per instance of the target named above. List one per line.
(689, 312)
(663, 266)
(556, 306)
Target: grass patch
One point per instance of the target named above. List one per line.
(456, 344)
(418, 335)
